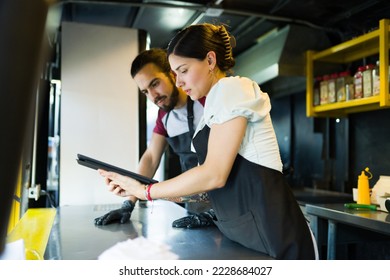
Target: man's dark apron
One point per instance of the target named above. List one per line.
(257, 208)
(181, 144)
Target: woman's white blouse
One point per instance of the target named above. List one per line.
(239, 96)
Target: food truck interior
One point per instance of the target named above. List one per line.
(323, 150)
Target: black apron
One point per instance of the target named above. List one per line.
(181, 144)
(257, 208)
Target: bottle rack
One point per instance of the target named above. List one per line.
(372, 43)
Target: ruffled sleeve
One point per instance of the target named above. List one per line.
(236, 96)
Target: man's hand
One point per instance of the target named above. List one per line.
(121, 215)
(203, 219)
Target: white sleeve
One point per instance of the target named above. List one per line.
(235, 96)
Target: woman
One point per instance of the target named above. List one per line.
(239, 159)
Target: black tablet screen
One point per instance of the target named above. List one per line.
(97, 164)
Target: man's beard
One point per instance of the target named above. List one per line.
(172, 100)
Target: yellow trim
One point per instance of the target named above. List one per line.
(309, 83)
(384, 46)
(34, 228)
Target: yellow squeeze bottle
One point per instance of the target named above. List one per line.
(363, 189)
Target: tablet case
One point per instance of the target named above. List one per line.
(97, 164)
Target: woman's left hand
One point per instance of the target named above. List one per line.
(122, 185)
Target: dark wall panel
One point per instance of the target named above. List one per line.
(328, 153)
(370, 144)
(280, 114)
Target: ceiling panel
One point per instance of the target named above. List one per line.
(95, 13)
(246, 19)
(162, 23)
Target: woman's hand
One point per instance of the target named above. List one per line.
(123, 185)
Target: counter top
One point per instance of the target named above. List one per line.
(378, 221)
(334, 225)
(75, 237)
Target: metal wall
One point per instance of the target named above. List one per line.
(327, 154)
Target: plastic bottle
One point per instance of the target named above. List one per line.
(341, 85)
(364, 188)
(316, 91)
(349, 91)
(349, 87)
(324, 90)
(367, 80)
(375, 80)
(358, 82)
(332, 88)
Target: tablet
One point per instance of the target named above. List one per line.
(97, 164)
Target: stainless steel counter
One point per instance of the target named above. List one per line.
(75, 237)
(334, 224)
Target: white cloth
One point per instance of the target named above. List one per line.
(14, 251)
(139, 248)
(238, 96)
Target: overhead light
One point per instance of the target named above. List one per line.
(213, 12)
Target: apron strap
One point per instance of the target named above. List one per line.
(190, 116)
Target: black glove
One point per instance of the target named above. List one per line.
(203, 219)
(122, 214)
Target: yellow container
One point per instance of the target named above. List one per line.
(363, 188)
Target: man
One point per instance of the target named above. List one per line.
(177, 119)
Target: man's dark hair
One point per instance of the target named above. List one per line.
(155, 56)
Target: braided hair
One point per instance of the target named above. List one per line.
(195, 41)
